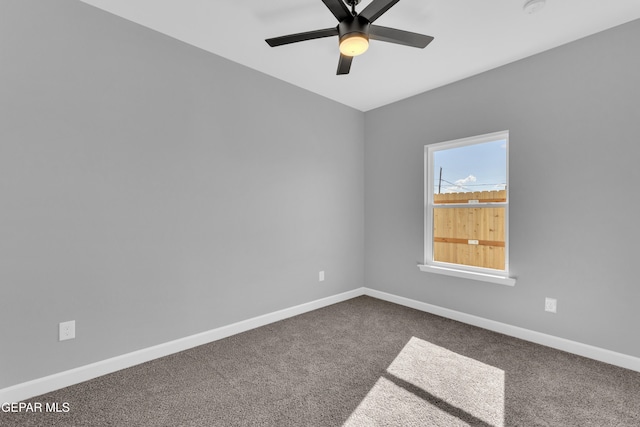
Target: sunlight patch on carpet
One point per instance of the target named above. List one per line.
(430, 385)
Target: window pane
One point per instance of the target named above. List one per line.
(471, 168)
(473, 236)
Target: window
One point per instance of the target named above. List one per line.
(467, 208)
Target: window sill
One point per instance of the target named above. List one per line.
(493, 278)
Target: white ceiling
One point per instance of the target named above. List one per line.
(471, 36)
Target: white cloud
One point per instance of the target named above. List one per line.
(466, 180)
(500, 186)
(459, 185)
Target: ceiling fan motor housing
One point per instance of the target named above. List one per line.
(357, 25)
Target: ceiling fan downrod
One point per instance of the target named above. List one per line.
(353, 4)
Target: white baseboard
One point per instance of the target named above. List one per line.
(596, 353)
(53, 382)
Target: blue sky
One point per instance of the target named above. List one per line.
(478, 167)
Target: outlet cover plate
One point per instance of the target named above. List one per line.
(550, 305)
(67, 330)
(321, 276)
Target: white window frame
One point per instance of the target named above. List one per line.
(460, 270)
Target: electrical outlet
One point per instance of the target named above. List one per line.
(321, 276)
(67, 330)
(550, 305)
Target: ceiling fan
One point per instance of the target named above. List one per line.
(355, 29)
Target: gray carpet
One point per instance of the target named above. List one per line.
(363, 362)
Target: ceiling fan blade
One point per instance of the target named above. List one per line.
(376, 8)
(338, 8)
(300, 37)
(392, 35)
(344, 65)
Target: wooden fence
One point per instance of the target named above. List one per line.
(473, 235)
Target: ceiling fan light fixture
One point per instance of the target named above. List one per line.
(354, 44)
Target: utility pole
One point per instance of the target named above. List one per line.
(440, 180)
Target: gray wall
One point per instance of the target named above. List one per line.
(574, 120)
(150, 190)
